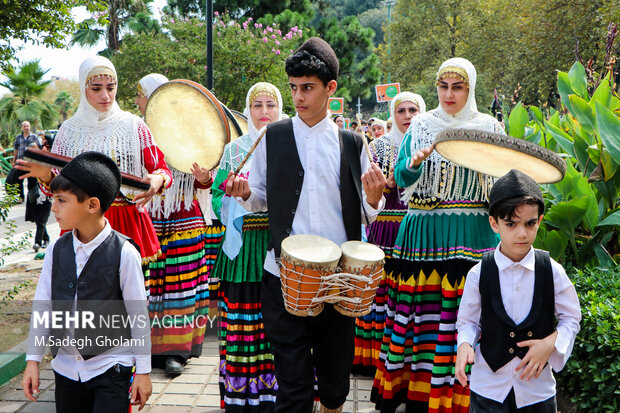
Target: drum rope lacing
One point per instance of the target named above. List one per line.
(334, 287)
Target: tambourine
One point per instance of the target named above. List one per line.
(53, 160)
(495, 154)
(188, 123)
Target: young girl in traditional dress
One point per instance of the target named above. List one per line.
(442, 236)
(369, 328)
(247, 379)
(179, 279)
(99, 124)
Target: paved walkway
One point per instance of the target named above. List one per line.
(194, 391)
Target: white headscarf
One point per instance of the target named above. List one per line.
(149, 83)
(395, 133)
(235, 151)
(114, 132)
(258, 89)
(448, 183)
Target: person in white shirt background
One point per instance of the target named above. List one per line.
(509, 306)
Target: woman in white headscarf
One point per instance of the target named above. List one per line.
(382, 232)
(99, 124)
(378, 128)
(247, 378)
(445, 232)
(180, 277)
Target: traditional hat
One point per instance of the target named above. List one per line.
(320, 49)
(514, 184)
(96, 174)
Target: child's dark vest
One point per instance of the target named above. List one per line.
(500, 334)
(285, 177)
(98, 290)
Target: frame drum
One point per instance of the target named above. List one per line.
(495, 154)
(188, 124)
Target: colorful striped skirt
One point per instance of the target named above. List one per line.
(247, 377)
(179, 283)
(418, 351)
(369, 328)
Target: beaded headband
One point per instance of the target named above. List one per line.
(449, 72)
(98, 73)
(263, 89)
(140, 90)
(405, 99)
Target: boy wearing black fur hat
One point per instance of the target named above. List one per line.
(509, 307)
(313, 179)
(97, 271)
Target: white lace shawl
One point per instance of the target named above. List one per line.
(441, 178)
(114, 132)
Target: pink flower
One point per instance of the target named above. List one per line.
(294, 29)
(277, 43)
(265, 40)
(255, 24)
(269, 29)
(273, 50)
(278, 51)
(250, 19)
(273, 36)
(248, 42)
(206, 67)
(252, 35)
(216, 13)
(279, 32)
(260, 25)
(171, 20)
(219, 34)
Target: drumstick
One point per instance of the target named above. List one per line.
(359, 122)
(250, 152)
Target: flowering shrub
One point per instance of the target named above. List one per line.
(243, 54)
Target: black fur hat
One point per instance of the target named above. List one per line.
(96, 174)
(515, 184)
(320, 49)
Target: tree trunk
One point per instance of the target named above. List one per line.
(113, 43)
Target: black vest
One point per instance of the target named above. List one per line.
(500, 334)
(285, 177)
(98, 290)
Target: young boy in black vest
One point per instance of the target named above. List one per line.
(509, 307)
(91, 271)
(312, 178)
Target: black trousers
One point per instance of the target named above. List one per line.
(303, 345)
(479, 404)
(105, 393)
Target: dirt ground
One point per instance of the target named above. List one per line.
(18, 283)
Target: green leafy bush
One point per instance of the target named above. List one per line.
(583, 210)
(591, 376)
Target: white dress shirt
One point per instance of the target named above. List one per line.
(319, 211)
(68, 361)
(517, 290)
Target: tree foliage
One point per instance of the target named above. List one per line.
(243, 53)
(44, 22)
(517, 47)
(120, 14)
(24, 102)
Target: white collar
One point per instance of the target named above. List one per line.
(318, 128)
(504, 262)
(89, 247)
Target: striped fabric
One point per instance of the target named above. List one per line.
(247, 377)
(419, 340)
(179, 283)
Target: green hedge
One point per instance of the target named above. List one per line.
(592, 375)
